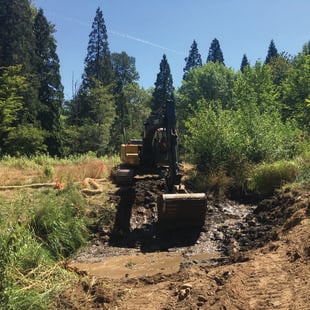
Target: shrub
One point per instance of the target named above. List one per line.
(268, 177)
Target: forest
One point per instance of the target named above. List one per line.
(228, 120)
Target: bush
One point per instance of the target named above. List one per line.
(229, 139)
(268, 177)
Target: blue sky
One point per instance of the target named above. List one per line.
(148, 29)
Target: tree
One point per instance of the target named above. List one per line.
(296, 88)
(98, 63)
(125, 73)
(93, 133)
(124, 68)
(211, 82)
(163, 86)
(16, 37)
(244, 63)
(256, 86)
(98, 68)
(50, 87)
(138, 106)
(193, 60)
(16, 48)
(13, 86)
(215, 52)
(272, 52)
(306, 48)
(280, 66)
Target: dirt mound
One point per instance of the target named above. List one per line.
(260, 259)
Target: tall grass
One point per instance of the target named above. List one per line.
(38, 228)
(40, 160)
(267, 177)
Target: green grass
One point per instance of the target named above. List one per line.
(267, 177)
(38, 228)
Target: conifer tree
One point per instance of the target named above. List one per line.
(50, 87)
(16, 48)
(92, 110)
(98, 68)
(16, 37)
(193, 60)
(98, 63)
(272, 52)
(244, 63)
(215, 52)
(163, 86)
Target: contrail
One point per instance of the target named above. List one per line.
(127, 36)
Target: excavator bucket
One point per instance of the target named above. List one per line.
(181, 210)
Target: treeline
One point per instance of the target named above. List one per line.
(260, 112)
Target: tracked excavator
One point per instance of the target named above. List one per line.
(159, 150)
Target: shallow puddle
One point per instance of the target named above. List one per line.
(132, 266)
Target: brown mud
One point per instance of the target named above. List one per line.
(244, 257)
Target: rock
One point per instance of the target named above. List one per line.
(183, 293)
(187, 285)
(202, 299)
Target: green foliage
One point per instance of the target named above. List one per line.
(25, 140)
(244, 63)
(267, 177)
(296, 91)
(255, 86)
(50, 89)
(138, 106)
(124, 69)
(60, 226)
(224, 138)
(210, 82)
(13, 85)
(193, 60)
(215, 53)
(272, 52)
(163, 86)
(98, 65)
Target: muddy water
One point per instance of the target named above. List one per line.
(223, 227)
(132, 266)
(139, 249)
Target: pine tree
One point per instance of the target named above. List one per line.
(98, 63)
(193, 60)
(50, 88)
(272, 52)
(16, 37)
(244, 63)
(163, 86)
(98, 68)
(215, 52)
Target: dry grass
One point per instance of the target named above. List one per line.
(18, 176)
(66, 172)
